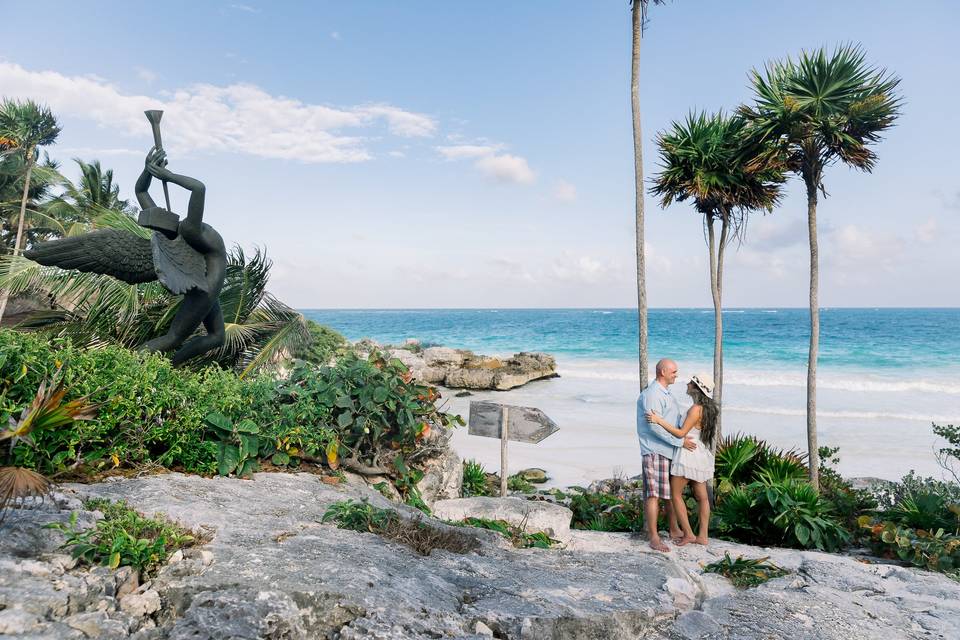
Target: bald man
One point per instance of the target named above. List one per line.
(657, 449)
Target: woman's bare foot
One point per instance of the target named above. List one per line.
(676, 535)
(700, 540)
(657, 545)
(686, 540)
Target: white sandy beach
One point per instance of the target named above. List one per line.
(882, 426)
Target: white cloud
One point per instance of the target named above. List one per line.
(468, 151)
(506, 168)
(244, 7)
(502, 167)
(927, 231)
(855, 247)
(335, 35)
(564, 191)
(238, 118)
(94, 152)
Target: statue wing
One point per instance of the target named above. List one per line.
(113, 252)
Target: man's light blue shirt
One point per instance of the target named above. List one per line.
(653, 437)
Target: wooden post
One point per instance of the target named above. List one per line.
(504, 435)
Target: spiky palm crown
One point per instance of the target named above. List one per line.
(819, 109)
(27, 125)
(703, 158)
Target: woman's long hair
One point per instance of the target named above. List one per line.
(708, 419)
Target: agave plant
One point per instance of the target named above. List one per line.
(94, 309)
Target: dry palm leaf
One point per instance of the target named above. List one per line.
(17, 485)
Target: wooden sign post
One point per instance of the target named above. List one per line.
(520, 424)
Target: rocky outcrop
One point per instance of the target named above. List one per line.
(461, 369)
(274, 571)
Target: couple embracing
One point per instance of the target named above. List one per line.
(676, 450)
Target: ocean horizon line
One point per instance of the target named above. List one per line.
(759, 308)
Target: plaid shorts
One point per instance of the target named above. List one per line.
(656, 476)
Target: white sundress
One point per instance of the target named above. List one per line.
(696, 465)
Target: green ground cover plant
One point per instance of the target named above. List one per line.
(518, 536)
(415, 533)
(745, 572)
(124, 537)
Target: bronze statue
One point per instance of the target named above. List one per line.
(187, 256)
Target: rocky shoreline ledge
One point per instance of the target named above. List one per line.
(463, 369)
(273, 570)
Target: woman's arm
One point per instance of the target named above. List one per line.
(689, 422)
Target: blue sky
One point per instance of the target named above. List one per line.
(448, 154)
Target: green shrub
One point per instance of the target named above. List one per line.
(742, 459)
(358, 516)
(371, 404)
(517, 482)
(605, 512)
(745, 572)
(238, 445)
(949, 456)
(474, 480)
(789, 514)
(843, 500)
(123, 537)
(936, 551)
(147, 411)
(324, 345)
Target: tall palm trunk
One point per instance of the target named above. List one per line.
(716, 289)
(814, 455)
(638, 178)
(23, 214)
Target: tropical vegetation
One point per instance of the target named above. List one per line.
(704, 159)
(825, 107)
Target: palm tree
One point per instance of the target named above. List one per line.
(639, 11)
(25, 126)
(809, 114)
(95, 309)
(41, 223)
(703, 159)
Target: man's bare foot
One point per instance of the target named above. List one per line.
(657, 545)
(676, 535)
(685, 540)
(700, 540)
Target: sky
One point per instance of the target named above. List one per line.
(452, 154)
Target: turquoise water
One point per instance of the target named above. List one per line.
(884, 376)
(888, 339)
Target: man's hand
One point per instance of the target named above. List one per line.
(689, 443)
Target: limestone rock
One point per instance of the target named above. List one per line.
(442, 477)
(141, 604)
(17, 621)
(442, 357)
(534, 475)
(530, 515)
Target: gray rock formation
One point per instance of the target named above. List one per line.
(462, 369)
(274, 571)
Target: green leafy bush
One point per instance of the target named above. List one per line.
(238, 445)
(123, 537)
(605, 511)
(517, 482)
(324, 345)
(146, 410)
(936, 551)
(745, 572)
(789, 514)
(843, 500)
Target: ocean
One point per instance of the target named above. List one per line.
(884, 376)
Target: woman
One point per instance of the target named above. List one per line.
(693, 466)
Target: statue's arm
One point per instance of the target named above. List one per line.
(191, 227)
(143, 190)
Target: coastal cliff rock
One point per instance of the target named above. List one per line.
(273, 570)
(462, 369)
